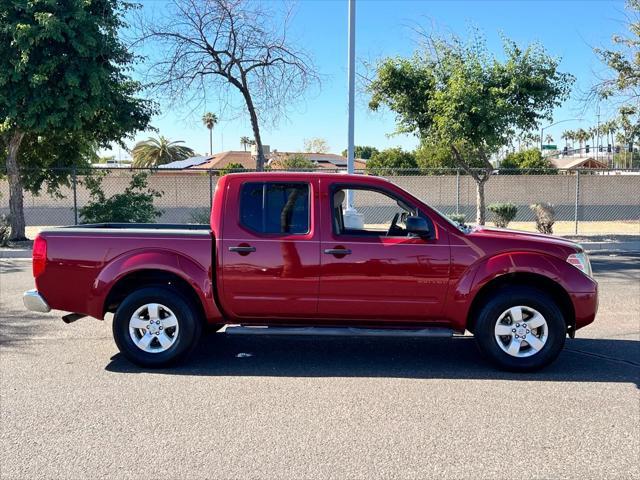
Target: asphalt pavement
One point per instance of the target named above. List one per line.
(71, 407)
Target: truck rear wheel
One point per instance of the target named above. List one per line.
(520, 329)
(156, 327)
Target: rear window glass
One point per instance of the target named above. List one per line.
(274, 207)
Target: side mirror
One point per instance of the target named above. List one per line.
(418, 226)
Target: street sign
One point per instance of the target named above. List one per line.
(549, 147)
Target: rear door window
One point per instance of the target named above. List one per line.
(275, 207)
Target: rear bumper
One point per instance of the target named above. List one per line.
(35, 302)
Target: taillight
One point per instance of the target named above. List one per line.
(39, 256)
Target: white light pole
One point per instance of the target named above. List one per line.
(351, 74)
(352, 218)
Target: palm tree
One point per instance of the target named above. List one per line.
(572, 138)
(613, 128)
(210, 119)
(548, 139)
(159, 151)
(245, 142)
(608, 129)
(593, 132)
(582, 136)
(566, 136)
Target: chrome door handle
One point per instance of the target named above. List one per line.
(337, 251)
(242, 249)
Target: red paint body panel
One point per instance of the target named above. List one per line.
(280, 279)
(388, 281)
(83, 267)
(402, 279)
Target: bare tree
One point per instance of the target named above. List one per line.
(230, 44)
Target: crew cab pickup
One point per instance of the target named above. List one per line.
(319, 254)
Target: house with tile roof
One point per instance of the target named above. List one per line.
(218, 161)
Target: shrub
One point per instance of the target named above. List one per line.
(201, 215)
(545, 217)
(503, 213)
(458, 218)
(5, 230)
(233, 167)
(134, 205)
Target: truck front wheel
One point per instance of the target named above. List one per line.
(156, 327)
(520, 329)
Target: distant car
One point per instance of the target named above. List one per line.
(283, 252)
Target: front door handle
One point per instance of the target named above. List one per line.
(247, 249)
(337, 251)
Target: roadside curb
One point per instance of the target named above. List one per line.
(15, 253)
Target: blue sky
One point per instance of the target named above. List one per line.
(567, 29)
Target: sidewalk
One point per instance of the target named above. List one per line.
(607, 244)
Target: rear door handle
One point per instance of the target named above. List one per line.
(242, 249)
(337, 251)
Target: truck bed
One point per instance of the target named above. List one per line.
(173, 228)
(91, 258)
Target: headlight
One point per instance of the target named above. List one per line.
(581, 262)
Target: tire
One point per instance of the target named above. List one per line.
(504, 317)
(156, 336)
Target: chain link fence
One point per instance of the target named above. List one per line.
(586, 202)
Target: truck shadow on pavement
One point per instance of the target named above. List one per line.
(583, 360)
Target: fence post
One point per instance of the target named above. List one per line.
(210, 191)
(75, 196)
(577, 200)
(457, 190)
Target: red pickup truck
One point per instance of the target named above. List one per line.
(285, 255)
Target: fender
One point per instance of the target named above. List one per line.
(153, 259)
(487, 269)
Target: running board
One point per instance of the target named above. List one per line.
(340, 331)
(72, 317)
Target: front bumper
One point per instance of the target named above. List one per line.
(585, 306)
(35, 302)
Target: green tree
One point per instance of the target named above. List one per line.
(296, 161)
(46, 160)
(457, 94)
(134, 205)
(623, 60)
(392, 161)
(159, 151)
(210, 120)
(63, 72)
(362, 151)
(430, 156)
(526, 162)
